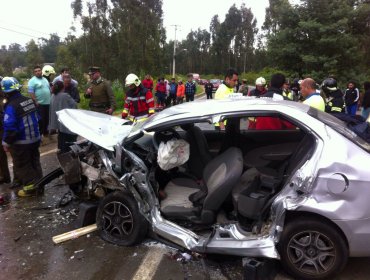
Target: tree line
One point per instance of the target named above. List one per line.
(315, 38)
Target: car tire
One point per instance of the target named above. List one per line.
(312, 249)
(119, 220)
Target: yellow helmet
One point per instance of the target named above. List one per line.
(47, 70)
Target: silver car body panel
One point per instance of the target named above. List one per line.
(327, 184)
(101, 129)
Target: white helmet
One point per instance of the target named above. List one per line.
(132, 79)
(260, 81)
(47, 70)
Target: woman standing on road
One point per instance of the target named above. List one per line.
(61, 100)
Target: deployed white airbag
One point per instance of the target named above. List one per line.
(173, 153)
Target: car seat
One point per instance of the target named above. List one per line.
(187, 200)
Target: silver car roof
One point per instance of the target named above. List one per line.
(209, 108)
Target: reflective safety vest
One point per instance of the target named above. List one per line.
(288, 94)
(316, 101)
(223, 91)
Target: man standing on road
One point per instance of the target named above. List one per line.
(39, 90)
(173, 90)
(190, 88)
(139, 102)
(100, 93)
(21, 135)
(208, 87)
(70, 88)
(351, 98)
(231, 78)
(312, 98)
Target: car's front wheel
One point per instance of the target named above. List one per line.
(119, 220)
(312, 249)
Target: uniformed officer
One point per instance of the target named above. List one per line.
(100, 93)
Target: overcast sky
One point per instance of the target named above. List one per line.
(26, 19)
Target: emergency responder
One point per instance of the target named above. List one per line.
(48, 72)
(100, 93)
(21, 135)
(4, 169)
(260, 87)
(286, 90)
(312, 98)
(335, 101)
(139, 102)
(227, 87)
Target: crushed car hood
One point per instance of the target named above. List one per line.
(101, 129)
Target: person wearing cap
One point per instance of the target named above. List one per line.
(260, 87)
(40, 92)
(139, 101)
(21, 135)
(100, 93)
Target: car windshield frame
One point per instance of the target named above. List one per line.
(340, 127)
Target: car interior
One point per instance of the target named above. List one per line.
(233, 173)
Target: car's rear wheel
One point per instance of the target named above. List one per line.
(119, 220)
(312, 249)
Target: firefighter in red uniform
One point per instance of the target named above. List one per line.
(139, 102)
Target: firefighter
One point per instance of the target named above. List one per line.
(335, 101)
(139, 101)
(21, 135)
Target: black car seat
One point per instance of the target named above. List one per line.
(219, 177)
(199, 151)
(257, 186)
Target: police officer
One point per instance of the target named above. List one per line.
(21, 135)
(208, 88)
(100, 93)
(335, 101)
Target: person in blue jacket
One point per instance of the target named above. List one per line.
(21, 135)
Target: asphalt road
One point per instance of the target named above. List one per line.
(27, 226)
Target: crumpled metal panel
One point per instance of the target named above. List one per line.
(101, 129)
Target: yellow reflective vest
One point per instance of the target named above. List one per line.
(223, 91)
(316, 101)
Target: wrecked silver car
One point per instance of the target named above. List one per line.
(296, 190)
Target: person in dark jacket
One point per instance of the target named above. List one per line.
(351, 98)
(172, 94)
(335, 101)
(190, 88)
(70, 87)
(274, 91)
(61, 100)
(208, 88)
(22, 135)
(4, 169)
(366, 101)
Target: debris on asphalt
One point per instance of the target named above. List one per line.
(74, 233)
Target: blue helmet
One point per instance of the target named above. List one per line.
(9, 84)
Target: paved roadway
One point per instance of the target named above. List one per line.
(27, 252)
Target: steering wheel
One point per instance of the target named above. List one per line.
(164, 136)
